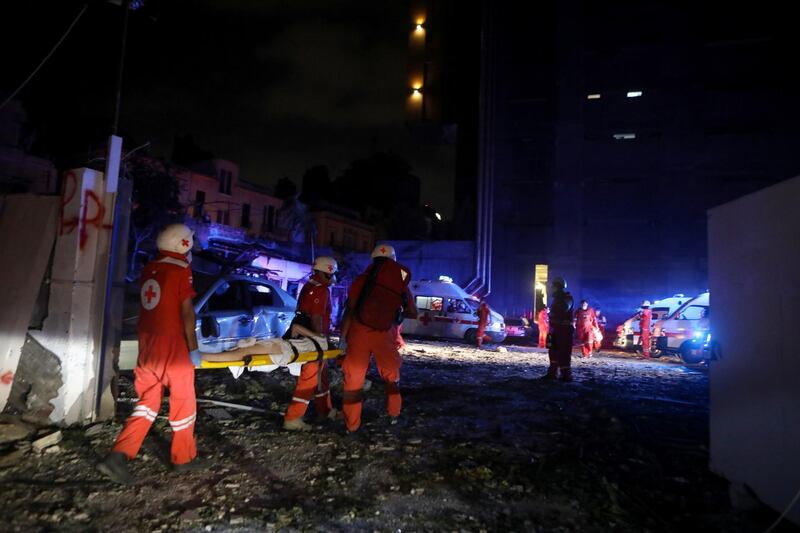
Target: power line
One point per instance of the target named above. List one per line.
(24, 83)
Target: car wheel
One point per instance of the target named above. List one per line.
(470, 336)
(690, 355)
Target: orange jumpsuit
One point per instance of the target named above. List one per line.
(585, 322)
(543, 321)
(645, 317)
(483, 320)
(398, 337)
(314, 299)
(363, 341)
(163, 360)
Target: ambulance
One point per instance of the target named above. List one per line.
(628, 332)
(446, 311)
(686, 332)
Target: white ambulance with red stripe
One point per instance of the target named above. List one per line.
(446, 311)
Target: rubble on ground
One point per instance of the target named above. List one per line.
(484, 446)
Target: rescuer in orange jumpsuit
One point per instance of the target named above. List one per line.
(585, 324)
(543, 321)
(645, 317)
(374, 302)
(314, 303)
(561, 332)
(483, 320)
(602, 322)
(167, 356)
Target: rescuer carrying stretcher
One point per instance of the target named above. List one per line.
(167, 356)
(378, 300)
(314, 312)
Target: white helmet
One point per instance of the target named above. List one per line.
(559, 283)
(384, 250)
(646, 303)
(325, 264)
(176, 238)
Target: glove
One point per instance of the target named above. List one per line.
(196, 357)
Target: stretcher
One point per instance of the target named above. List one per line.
(267, 355)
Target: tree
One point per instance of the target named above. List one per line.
(154, 204)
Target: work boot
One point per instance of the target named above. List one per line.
(115, 467)
(332, 416)
(296, 424)
(552, 373)
(566, 374)
(195, 465)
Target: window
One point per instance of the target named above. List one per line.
(245, 215)
(349, 239)
(199, 201)
(624, 136)
(225, 177)
(634, 94)
(594, 96)
(694, 312)
(429, 303)
(261, 295)
(228, 297)
(457, 305)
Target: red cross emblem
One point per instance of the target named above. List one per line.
(330, 268)
(425, 319)
(185, 242)
(150, 294)
(383, 250)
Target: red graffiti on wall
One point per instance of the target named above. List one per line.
(91, 203)
(7, 377)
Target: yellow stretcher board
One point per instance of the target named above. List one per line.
(249, 359)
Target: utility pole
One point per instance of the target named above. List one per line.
(113, 161)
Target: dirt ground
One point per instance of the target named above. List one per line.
(484, 447)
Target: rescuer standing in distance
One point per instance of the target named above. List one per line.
(561, 331)
(167, 356)
(376, 298)
(483, 320)
(645, 317)
(585, 323)
(543, 321)
(314, 305)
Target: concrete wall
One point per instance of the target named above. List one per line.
(754, 275)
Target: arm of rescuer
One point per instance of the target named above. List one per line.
(189, 320)
(409, 305)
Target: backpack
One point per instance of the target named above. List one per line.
(382, 294)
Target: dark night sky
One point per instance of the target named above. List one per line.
(276, 86)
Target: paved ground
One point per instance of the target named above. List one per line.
(485, 447)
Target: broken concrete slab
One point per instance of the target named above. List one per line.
(13, 432)
(47, 441)
(94, 430)
(12, 458)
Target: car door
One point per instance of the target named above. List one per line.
(273, 309)
(224, 316)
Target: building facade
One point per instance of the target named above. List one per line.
(608, 130)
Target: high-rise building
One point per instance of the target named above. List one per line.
(607, 131)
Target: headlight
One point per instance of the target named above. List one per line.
(698, 334)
